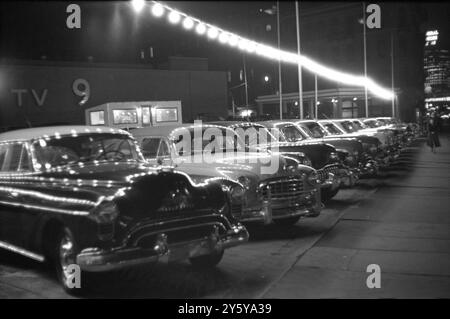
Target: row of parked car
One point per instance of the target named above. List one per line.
(104, 199)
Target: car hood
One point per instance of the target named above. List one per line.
(349, 144)
(137, 188)
(260, 165)
(317, 152)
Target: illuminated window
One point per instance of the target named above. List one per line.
(146, 115)
(166, 114)
(125, 116)
(97, 117)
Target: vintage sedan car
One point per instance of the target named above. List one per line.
(402, 136)
(80, 195)
(370, 139)
(362, 154)
(324, 157)
(282, 194)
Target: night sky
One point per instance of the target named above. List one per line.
(112, 32)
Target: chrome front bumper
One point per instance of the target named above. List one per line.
(332, 182)
(96, 260)
(307, 205)
(369, 168)
(348, 177)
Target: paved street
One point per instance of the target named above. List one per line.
(399, 221)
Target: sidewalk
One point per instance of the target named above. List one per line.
(404, 227)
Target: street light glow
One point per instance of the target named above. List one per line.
(174, 17)
(157, 10)
(223, 37)
(188, 23)
(279, 55)
(138, 5)
(213, 32)
(201, 28)
(233, 40)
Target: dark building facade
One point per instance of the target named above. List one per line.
(42, 93)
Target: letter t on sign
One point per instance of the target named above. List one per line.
(19, 93)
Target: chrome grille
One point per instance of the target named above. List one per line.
(283, 189)
(236, 210)
(323, 172)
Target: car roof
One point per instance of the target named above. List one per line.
(273, 123)
(236, 123)
(168, 129)
(227, 123)
(49, 131)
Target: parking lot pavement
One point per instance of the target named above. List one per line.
(398, 221)
(404, 227)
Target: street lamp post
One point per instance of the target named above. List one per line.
(365, 59)
(300, 85)
(280, 86)
(245, 81)
(392, 74)
(315, 96)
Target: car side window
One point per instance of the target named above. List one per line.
(150, 147)
(163, 150)
(14, 157)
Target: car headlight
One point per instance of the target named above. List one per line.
(107, 212)
(105, 217)
(237, 192)
(176, 199)
(334, 155)
(306, 161)
(313, 178)
(292, 168)
(245, 182)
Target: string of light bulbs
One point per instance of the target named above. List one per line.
(231, 39)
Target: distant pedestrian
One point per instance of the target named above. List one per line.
(432, 133)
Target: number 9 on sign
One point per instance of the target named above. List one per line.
(82, 89)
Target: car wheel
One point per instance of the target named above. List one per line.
(64, 255)
(207, 261)
(287, 221)
(327, 194)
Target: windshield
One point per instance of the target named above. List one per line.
(313, 129)
(85, 148)
(349, 127)
(332, 129)
(292, 133)
(371, 123)
(358, 125)
(211, 139)
(253, 135)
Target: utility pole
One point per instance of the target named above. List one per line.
(300, 85)
(280, 87)
(315, 96)
(392, 74)
(365, 59)
(245, 81)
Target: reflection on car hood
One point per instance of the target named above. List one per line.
(235, 164)
(115, 173)
(317, 152)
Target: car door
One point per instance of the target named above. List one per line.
(15, 219)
